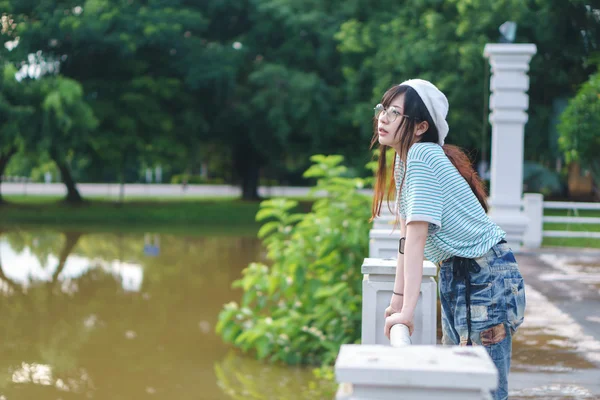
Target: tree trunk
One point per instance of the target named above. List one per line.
(4, 159)
(122, 184)
(71, 239)
(595, 170)
(250, 183)
(247, 164)
(73, 195)
(122, 178)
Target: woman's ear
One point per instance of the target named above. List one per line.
(422, 128)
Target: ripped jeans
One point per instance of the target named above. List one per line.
(497, 308)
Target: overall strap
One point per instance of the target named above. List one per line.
(461, 268)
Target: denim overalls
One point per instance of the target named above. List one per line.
(497, 305)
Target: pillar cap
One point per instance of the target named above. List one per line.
(387, 266)
(450, 367)
(492, 49)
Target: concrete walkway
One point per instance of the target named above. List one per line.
(556, 353)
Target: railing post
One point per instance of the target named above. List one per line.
(378, 283)
(383, 238)
(533, 207)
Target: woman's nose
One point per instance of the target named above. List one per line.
(383, 117)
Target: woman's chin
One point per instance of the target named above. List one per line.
(384, 141)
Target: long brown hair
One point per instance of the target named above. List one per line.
(417, 112)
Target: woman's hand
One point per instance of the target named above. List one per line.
(398, 318)
(391, 310)
(395, 306)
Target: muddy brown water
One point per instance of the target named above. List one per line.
(107, 316)
(132, 316)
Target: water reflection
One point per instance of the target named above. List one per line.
(33, 265)
(245, 379)
(103, 316)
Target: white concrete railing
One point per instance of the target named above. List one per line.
(376, 370)
(400, 336)
(534, 206)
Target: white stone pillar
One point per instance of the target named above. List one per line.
(378, 283)
(508, 105)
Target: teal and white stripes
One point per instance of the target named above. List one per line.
(435, 192)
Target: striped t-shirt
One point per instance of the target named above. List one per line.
(434, 191)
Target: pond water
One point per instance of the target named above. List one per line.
(127, 316)
(89, 315)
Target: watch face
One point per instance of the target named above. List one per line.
(401, 245)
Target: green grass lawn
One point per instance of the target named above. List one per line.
(572, 242)
(224, 215)
(189, 215)
(160, 214)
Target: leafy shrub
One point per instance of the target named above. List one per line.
(539, 179)
(302, 307)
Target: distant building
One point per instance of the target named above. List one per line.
(581, 183)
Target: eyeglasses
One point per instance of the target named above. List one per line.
(391, 113)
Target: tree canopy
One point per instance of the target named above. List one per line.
(253, 88)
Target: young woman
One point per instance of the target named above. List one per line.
(441, 204)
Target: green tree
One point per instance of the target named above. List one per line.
(444, 41)
(44, 113)
(126, 57)
(273, 69)
(267, 83)
(580, 127)
(14, 116)
(67, 122)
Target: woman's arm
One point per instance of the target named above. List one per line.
(397, 301)
(416, 235)
(412, 268)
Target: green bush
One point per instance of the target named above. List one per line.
(539, 179)
(302, 307)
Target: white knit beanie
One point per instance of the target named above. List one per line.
(436, 103)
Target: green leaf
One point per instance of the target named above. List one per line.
(268, 228)
(265, 213)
